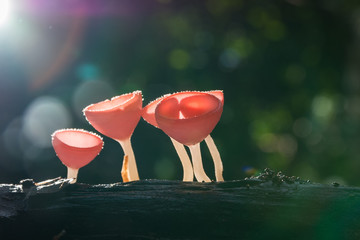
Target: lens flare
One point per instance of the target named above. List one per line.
(4, 11)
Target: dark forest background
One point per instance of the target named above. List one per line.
(290, 71)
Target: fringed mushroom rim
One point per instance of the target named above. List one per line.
(137, 92)
(186, 91)
(78, 130)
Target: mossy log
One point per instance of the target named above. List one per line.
(271, 206)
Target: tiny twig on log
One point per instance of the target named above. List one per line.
(49, 181)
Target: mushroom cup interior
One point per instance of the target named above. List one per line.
(121, 101)
(79, 139)
(198, 105)
(188, 105)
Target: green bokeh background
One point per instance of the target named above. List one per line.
(289, 71)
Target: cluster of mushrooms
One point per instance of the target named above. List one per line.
(186, 117)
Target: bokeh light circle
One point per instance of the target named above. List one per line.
(89, 92)
(43, 116)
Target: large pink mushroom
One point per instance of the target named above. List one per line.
(117, 119)
(148, 115)
(76, 148)
(188, 118)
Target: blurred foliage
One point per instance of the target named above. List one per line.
(289, 71)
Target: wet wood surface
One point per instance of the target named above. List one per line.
(267, 207)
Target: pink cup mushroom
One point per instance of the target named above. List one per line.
(76, 148)
(117, 119)
(188, 118)
(149, 115)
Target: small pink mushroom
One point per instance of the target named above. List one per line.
(76, 148)
(148, 115)
(117, 119)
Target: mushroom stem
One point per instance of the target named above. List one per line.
(199, 172)
(216, 158)
(132, 168)
(72, 173)
(188, 175)
(125, 169)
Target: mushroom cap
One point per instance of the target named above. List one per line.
(118, 117)
(148, 112)
(189, 117)
(76, 147)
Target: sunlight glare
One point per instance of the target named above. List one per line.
(4, 11)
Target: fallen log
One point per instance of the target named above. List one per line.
(269, 206)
